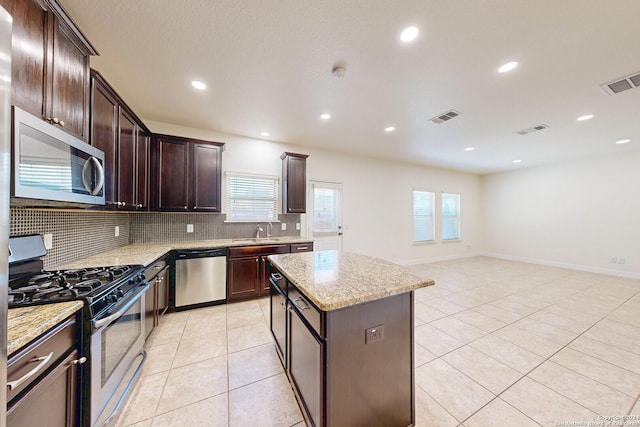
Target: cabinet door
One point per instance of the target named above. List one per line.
(207, 173)
(126, 160)
(294, 182)
(172, 175)
(243, 278)
(142, 169)
(104, 134)
(68, 93)
(279, 322)
(163, 293)
(306, 365)
(52, 402)
(28, 55)
(150, 308)
(265, 285)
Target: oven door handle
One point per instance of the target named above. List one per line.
(98, 324)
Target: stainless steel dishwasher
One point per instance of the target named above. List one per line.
(201, 277)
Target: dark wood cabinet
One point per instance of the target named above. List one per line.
(51, 397)
(187, 174)
(117, 131)
(294, 182)
(50, 64)
(340, 372)
(156, 299)
(247, 273)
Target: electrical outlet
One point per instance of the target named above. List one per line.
(621, 260)
(613, 260)
(374, 334)
(117, 231)
(189, 228)
(297, 226)
(48, 241)
(283, 225)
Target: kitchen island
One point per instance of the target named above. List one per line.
(343, 328)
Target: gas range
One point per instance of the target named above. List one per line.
(99, 287)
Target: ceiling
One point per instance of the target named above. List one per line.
(268, 67)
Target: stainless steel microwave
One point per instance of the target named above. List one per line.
(50, 164)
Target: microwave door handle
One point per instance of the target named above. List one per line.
(100, 176)
(85, 180)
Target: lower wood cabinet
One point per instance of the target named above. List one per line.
(247, 274)
(156, 299)
(51, 396)
(341, 374)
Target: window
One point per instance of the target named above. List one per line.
(251, 198)
(423, 207)
(450, 216)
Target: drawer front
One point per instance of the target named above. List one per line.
(55, 343)
(302, 247)
(154, 270)
(242, 251)
(306, 309)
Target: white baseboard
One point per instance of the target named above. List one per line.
(578, 267)
(438, 259)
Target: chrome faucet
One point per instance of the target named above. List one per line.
(269, 229)
(258, 230)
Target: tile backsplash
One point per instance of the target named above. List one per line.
(76, 234)
(81, 233)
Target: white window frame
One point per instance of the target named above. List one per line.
(229, 199)
(444, 217)
(432, 216)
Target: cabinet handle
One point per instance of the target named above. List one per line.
(297, 306)
(12, 385)
(139, 206)
(79, 361)
(185, 208)
(302, 248)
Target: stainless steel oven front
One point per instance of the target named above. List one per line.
(117, 355)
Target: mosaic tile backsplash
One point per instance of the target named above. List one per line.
(81, 233)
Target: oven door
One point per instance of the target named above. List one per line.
(117, 342)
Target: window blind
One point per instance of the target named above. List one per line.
(450, 216)
(423, 222)
(252, 198)
(325, 210)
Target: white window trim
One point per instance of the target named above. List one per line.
(276, 178)
(459, 237)
(433, 216)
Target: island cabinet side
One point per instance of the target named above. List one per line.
(350, 366)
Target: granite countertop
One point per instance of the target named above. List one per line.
(333, 280)
(25, 324)
(146, 253)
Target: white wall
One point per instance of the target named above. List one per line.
(377, 214)
(576, 215)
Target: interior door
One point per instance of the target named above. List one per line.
(325, 221)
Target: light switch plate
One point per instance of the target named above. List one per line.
(374, 334)
(297, 226)
(283, 225)
(117, 232)
(48, 241)
(189, 228)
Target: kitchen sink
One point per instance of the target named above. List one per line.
(254, 240)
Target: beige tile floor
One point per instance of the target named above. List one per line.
(498, 343)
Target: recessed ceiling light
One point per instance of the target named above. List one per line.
(469, 148)
(325, 116)
(409, 34)
(517, 161)
(585, 117)
(198, 85)
(508, 67)
(389, 129)
(264, 133)
(623, 141)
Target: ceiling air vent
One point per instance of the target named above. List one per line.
(445, 117)
(622, 84)
(531, 129)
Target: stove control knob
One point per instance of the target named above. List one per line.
(120, 293)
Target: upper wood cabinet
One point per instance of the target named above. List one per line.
(187, 174)
(50, 64)
(117, 131)
(294, 182)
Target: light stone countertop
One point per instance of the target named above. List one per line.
(147, 253)
(333, 280)
(25, 324)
